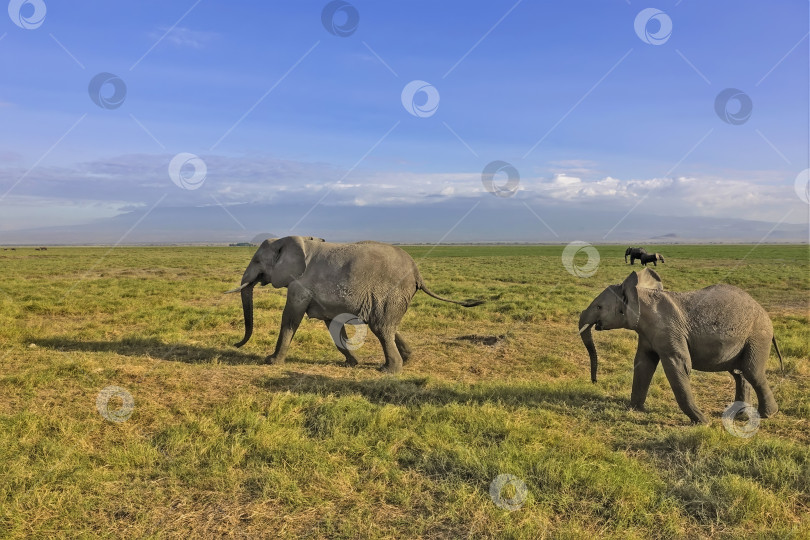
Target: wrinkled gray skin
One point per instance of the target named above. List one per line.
(719, 328)
(370, 280)
(634, 253)
(647, 258)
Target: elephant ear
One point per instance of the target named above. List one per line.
(646, 279)
(290, 261)
(649, 279)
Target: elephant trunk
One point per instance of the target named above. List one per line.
(587, 339)
(247, 309)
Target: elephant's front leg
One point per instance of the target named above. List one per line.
(351, 359)
(294, 311)
(644, 366)
(677, 368)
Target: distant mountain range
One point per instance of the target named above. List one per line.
(259, 238)
(457, 221)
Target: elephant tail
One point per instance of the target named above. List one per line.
(465, 303)
(779, 354)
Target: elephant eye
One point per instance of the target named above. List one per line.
(598, 307)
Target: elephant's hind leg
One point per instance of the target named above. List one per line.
(403, 348)
(393, 360)
(351, 359)
(753, 368)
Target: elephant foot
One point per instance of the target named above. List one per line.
(350, 362)
(637, 407)
(767, 412)
(273, 359)
(700, 421)
(389, 370)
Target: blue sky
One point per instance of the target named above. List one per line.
(283, 112)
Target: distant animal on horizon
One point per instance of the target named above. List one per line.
(654, 258)
(367, 281)
(634, 253)
(718, 328)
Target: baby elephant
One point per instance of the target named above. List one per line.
(647, 258)
(371, 281)
(719, 328)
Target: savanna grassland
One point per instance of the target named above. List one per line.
(219, 444)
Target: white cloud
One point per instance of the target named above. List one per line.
(34, 212)
(140, 180)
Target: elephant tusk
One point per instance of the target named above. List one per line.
(584, 328)
(237, 289)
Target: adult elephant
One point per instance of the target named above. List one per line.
(634, 253)
(372, 281)
(719, 328)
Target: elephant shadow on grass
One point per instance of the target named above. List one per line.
(572, 399)
(568, 399)
(154, 348)
(177, 352)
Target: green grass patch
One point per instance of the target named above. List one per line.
(219, 444)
